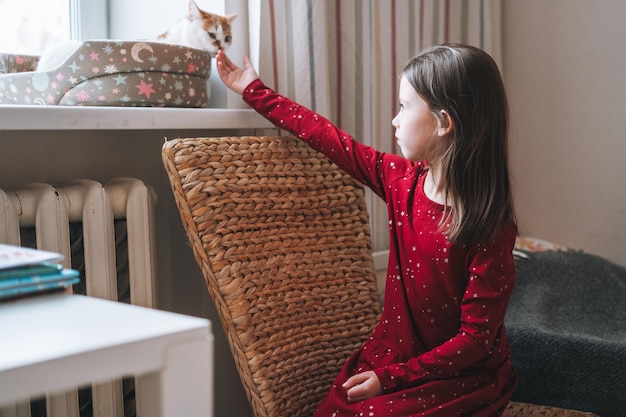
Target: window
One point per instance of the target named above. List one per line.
(30, 27)
(33, 26)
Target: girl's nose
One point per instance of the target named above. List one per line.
(394, 121)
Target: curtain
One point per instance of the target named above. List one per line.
(343, 58)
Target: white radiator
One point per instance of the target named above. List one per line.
(50, 211)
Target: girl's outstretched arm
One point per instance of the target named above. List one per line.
(232, 76)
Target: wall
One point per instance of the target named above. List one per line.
(564, 66)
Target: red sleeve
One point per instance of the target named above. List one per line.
(491, 278)
(362, 162)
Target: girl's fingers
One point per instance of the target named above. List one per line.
(224, 61)
(353, 381)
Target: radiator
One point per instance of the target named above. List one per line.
(51, 211)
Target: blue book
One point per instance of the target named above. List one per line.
(39, 283)
(36, 289)
(65, 275)
(44, 268)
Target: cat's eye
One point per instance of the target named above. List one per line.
(227, 39)
(212, 35)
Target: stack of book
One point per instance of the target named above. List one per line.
(25, 271)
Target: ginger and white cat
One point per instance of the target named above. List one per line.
(201, 30)
(197, 29)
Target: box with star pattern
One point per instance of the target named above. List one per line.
(111, 73)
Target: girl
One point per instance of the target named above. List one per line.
(440, 347)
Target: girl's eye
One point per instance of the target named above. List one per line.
(401, 106)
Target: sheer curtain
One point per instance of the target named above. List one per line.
(343, 58)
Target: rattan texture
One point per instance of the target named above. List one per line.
(282, 237)
(518, 409)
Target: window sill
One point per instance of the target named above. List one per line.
(121, 118)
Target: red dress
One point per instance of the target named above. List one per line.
(440, 347)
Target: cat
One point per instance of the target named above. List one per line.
(201, 30)
(197, 29)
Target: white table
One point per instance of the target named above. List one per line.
(53, 343)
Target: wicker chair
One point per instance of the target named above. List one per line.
(282, 238)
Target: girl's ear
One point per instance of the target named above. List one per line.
(446, 125)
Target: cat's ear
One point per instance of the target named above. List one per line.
(230, 17)
(194, 11)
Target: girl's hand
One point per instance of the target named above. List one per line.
(363, 386)
(232, 76)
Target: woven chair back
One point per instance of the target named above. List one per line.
(282, 237)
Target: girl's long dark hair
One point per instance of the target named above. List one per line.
(465, 82)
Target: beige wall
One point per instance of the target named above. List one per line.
(565, 70)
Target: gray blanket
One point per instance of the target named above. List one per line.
(566, 323)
